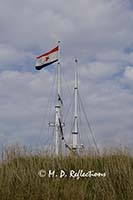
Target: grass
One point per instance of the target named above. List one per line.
(19, 179)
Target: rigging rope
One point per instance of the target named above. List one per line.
(89, 126)
(47, 110)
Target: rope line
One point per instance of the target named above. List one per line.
(89, 126)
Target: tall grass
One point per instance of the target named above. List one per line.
(19, 179)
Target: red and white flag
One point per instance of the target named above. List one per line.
(47, 58)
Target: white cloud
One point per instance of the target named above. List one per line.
(128, 76)
(23, 100)
(129, 73)
(102, 24)
(10, 57)
(97, 70)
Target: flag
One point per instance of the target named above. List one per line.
(47, 58)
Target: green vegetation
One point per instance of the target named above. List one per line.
(19, 179)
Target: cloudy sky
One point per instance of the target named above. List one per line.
(97, 32)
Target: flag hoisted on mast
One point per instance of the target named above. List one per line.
(41, 62)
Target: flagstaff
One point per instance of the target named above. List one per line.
(43, 61)
(58, 120)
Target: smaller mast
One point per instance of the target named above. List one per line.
(75, 131)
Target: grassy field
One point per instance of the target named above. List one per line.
(20, 176)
